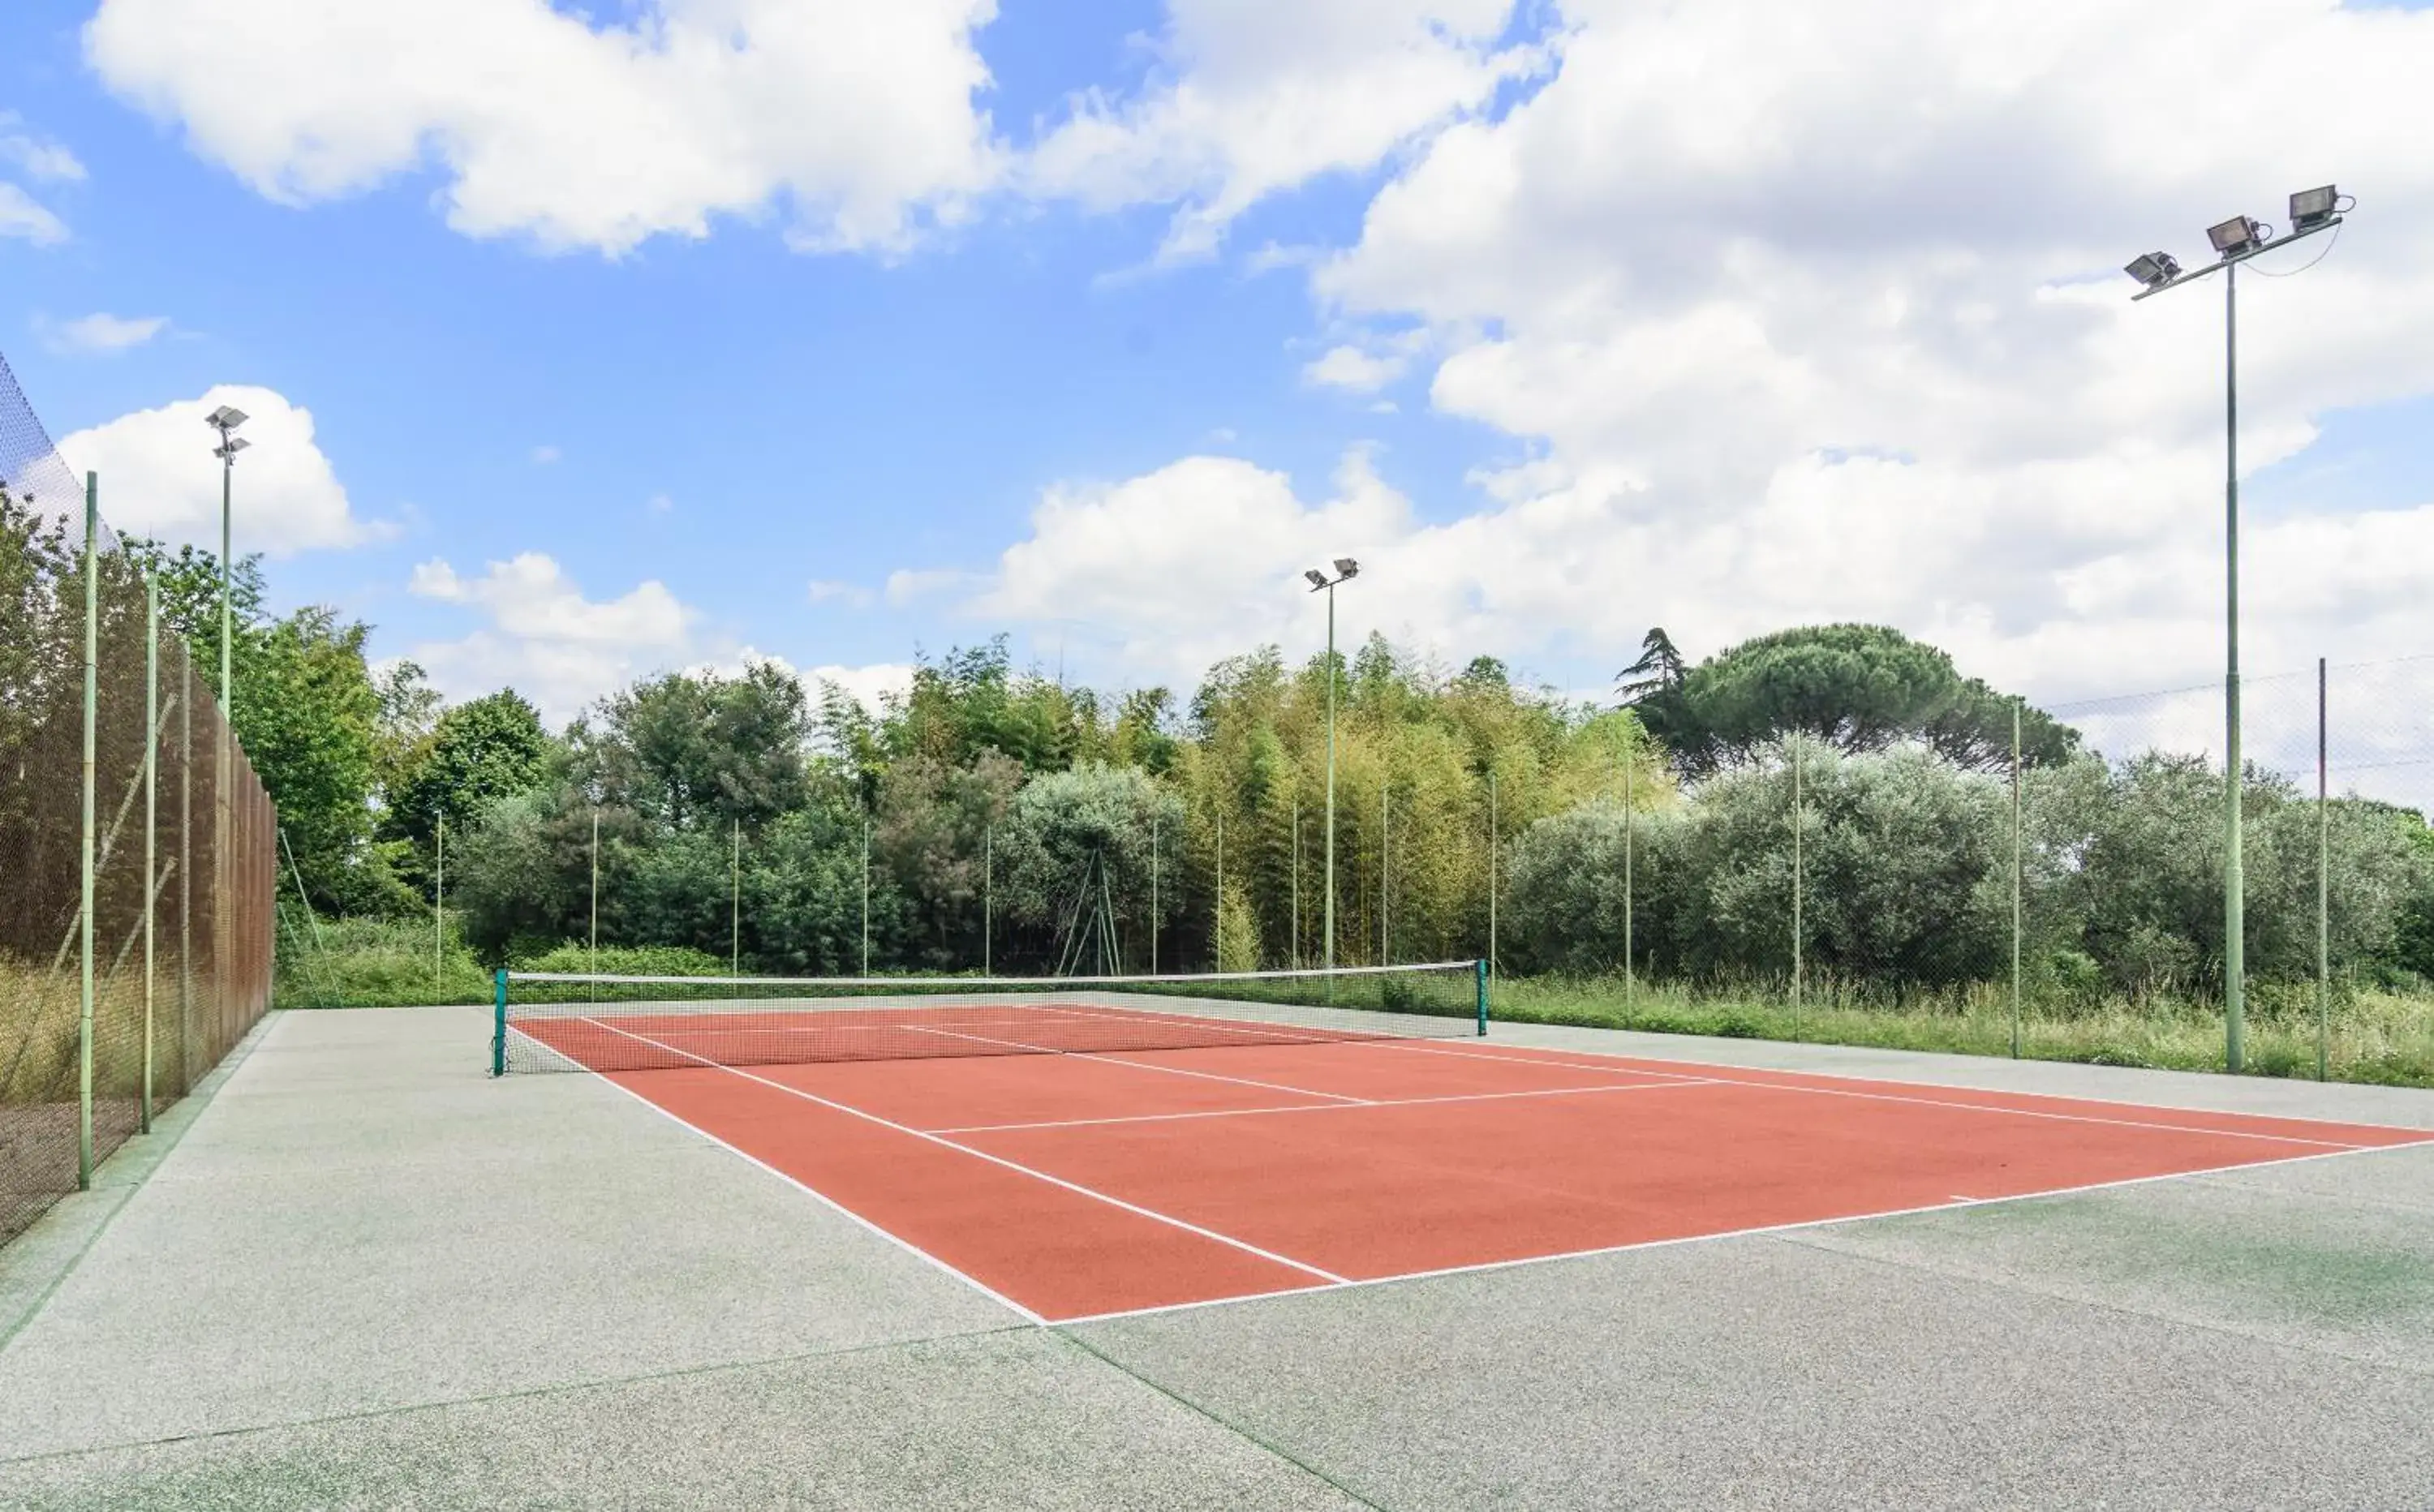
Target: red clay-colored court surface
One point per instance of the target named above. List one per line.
(1077, 1185)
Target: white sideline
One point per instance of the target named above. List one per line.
(1015, 1166)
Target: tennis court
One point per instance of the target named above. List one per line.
(1080, 1158)
(1214, 1253)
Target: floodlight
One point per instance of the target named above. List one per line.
(227, 418)
(2310, 208)
(230, 447)
(2235, 236)
(2155, 270)
(1317, 579)
(1347, 566)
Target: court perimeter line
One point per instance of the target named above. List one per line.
(831, 1203)
(1946, 1206)
(1322, 1108)
(1982, 1107)
(1015, 1166)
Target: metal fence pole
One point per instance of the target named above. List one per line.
(91, 696)
(2323, 883)
(1153, 886)
(989, 895)
(1795, 879)
(151, 822)
(186, 1056)
(440, 908)
(735, 906)
(2015, 879)
(1627, 968)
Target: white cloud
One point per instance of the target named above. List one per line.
(1350, 368)
(543, 637)
(830, 590)
(157, 477)
(1808, 311)
(659, 504)
(1251, 99)
(867, 685)
(101, 332)
(544, 455)
(854, 120)
(1200, 559)
(27, 221)
(37, 158)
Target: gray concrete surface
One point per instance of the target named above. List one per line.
(357, 1273)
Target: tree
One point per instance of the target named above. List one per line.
(1070, 831)
(478, 752)
(308, 717)
(1659, 669)
(698, 750)
(1856, 688)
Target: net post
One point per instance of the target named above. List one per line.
(1479, 976)
(499, 1023)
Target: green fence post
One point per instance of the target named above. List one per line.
(499, 1026)
(84, 910)
(1478, 971)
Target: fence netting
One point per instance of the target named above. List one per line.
(181, 842)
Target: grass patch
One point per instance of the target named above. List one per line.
(2382, 1038)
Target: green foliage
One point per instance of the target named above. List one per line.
(1856, 688)
(474, 755)
(698, 751)
(1067, 829)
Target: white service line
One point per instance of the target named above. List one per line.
(1799, 1226)
(1146, 1065)
(1973, 1107)
(832, 1204)
(1015, 1166)
(1321, 1108)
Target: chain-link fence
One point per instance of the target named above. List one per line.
(136, 880)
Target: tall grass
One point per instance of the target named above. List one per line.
(2379, 1037)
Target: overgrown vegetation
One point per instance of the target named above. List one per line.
(991, 811)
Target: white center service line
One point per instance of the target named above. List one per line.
(1142, 1066)
(925, 1135)
(1320, 1108)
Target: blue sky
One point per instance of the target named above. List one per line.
(1128, 311)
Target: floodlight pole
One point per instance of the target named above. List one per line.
(1346, 569)
(2235, 885)
(1329, 958)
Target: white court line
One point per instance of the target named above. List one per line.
(1805, 1224)
(1321, 1108)
(1144, 1065)
(1976, 1107)
(833, 1205)
(1015, 1166)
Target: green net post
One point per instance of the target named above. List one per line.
(1479, 970)
(499, 1025)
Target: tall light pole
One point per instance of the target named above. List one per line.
(2235, 241)
(1346, 569)
(225, 420)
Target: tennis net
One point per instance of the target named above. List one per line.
(580, 1022)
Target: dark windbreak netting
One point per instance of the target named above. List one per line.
(181, 844)
(602, 1022)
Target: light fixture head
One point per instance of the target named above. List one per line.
(227, 418)
(1347, 566)
(2234, 236)
(2155, 270)
(1317, 579)
(2311, 208)
(230, 447)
